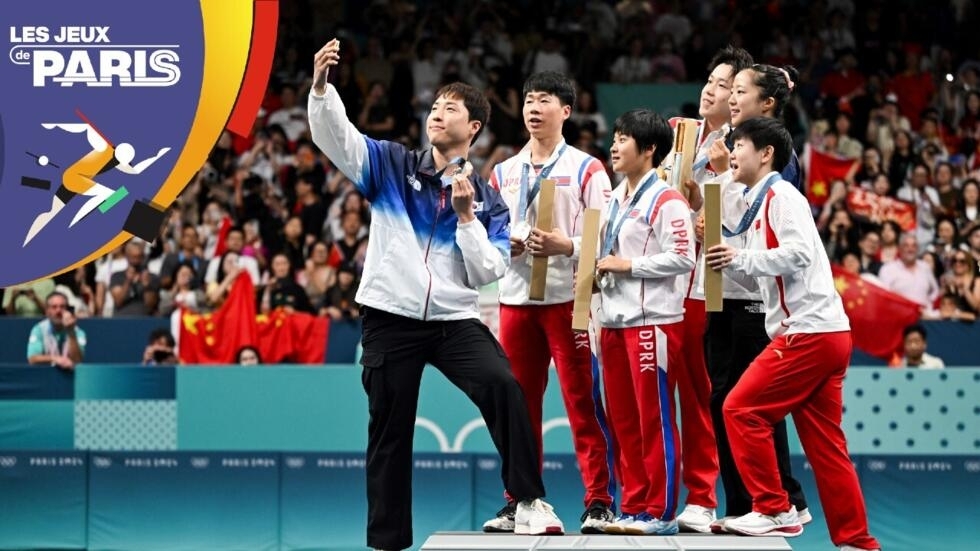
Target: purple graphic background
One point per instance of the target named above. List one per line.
(149, 118)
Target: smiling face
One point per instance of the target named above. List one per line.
(715, 93)
(746, 101)
(748, 163)
(449, 124)
(544, 114)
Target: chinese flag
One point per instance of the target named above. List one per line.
(220, 247)
(295, 337)
(823, 170)
(877, 315)
(215, 338)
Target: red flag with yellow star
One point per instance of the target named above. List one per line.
(215, 338)
(823, 169)
(878, 316)
(292, 337)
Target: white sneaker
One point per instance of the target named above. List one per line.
(647, 525)
(756, 524)
(718, 526)
(537, 518)
(618, 526)
(503, 522)
(696, 518)
(596, 518)
(805, 516)
(852, 548)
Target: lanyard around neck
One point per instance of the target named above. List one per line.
(528, 195)
(749, 215)
(614, 226)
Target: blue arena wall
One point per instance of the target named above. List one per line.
(131, 457)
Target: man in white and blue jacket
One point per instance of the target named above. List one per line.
(438, 233)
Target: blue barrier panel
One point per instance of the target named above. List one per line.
(271, 408)
(324, 503)
(37, 425)
(38, 382)
(43, 500)
(184, 501)
(922, 502)
(36, 408)
(122, 340)
(124, 382)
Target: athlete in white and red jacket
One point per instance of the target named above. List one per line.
(535, 332)
(801, 372)
(647, 247)
(700, 469)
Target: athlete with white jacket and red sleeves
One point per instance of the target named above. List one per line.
(647, 247)
(700, 466)
(535, 332)
(802, 370)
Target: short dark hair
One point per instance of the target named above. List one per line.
(474, 101)
(915, 328)
(738, 58)
(764, 132)
(776, 83)
(551, 82)
(235, 228)
(160, 333)
(648, 129)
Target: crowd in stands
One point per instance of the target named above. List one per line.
(894, 85)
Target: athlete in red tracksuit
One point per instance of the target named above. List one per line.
(700, 463)
(647, 246)
(535, 332)
(802, 370)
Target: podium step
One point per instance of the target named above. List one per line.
(478, 541)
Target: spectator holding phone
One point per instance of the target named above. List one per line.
(160, 348)
(56, 340)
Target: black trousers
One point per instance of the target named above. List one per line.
(732, 340)
(396, 349)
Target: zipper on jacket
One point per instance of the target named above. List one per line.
(435, 221)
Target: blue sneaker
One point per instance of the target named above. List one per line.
(646, 524)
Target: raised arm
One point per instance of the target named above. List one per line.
(330, 128)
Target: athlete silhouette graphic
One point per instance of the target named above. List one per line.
(78, 179)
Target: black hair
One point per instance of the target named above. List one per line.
(776, 83)
(648, 129)
(236, 228)
(238, 355)
(961, 200)
(738, 58)
(915, 328)
(221, 264)
(551, 82)
(474, 101)
(160, 333)
(764, 132)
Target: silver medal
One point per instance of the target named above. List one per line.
(521, 231)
